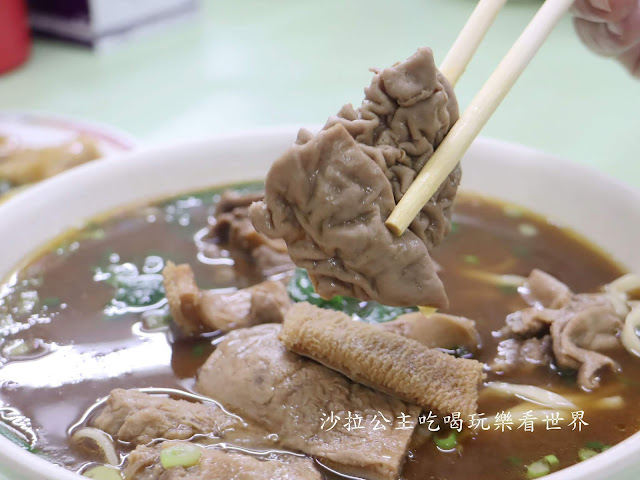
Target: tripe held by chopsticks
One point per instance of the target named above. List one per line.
(485, 103)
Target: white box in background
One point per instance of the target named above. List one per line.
(99, 23)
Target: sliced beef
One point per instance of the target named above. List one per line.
(437, 330)
(196, 311)
(233, 231)
(139, 418)
(219, 464)
(581, 326)
(515, 355)
(308, 405)
(542, 289)
(527, 323)
(329, 195)
(231, 200)
(386, 361)
(233, 227)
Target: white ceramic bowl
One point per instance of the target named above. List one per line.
(605, 211)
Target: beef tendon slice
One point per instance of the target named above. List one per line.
(384, 360)
(195, 310)
(311, 408)
(329, 195)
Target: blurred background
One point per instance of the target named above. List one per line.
(176, 69)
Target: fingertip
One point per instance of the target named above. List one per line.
(598, 38)
(621, 9)
(631, 60)
(584, 29)
(604, 10)
(602, 5)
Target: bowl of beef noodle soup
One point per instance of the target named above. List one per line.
(238, 309)
(148, 330)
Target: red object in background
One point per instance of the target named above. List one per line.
(15, 39)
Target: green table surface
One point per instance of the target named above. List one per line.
(250, 63)
(244, 64)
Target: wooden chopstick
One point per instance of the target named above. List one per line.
(484, 104)
(469, 39)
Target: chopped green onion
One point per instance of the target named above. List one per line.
(473, 259)
(521, 251)
(301, 290)
(51, 302)
(181, 455)
(155, 319)
(628, 381)
(103, 473)
(198, 350)
(514, 460)
(594, 445)
(134, 291)
(92, 233)
(512, 211)
(527, 230)
(542, 467)
(586, 454)
(538, 469)
(455, 227)
(508, 289)
(447, 443)
(5, 186)
(19, 348)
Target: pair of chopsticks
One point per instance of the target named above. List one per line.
(484, 104)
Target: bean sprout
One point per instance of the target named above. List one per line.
(532, 394)
(497, 279)
(629, 335)
(610, 403)
(618, 291)
(626, 283)
(102, 440)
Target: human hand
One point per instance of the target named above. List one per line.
(611, 28)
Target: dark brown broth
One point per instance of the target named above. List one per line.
(494, 238)
(115, 351)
